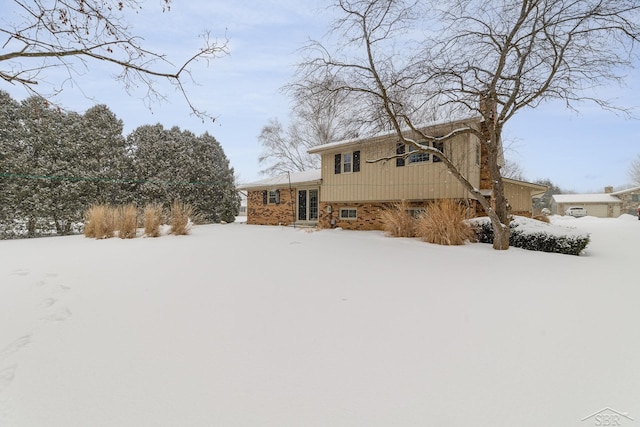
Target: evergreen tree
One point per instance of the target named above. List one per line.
(8, 158)
(218, 201)
(176, 165)
(105, 163)
(55, 164)
(545, 201)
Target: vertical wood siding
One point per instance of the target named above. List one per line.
(384, 181)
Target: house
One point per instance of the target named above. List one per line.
(352, 187)
(285, 199)
(630, 200)
(609, 204)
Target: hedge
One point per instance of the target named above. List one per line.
(533, 235)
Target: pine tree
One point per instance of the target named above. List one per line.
(8, 158)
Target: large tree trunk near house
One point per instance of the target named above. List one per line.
(501, 231)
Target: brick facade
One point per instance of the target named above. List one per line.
(369, 215)
(282, 213)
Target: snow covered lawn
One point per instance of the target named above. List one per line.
(239, 325)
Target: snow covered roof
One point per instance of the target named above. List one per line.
(309, 176)
(628, 190)
(338, 144)
(586, 198)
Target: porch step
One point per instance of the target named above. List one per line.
(304, 225)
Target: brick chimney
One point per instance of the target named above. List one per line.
(608, 189)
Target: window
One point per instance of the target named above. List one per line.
(272, 197)
(400, 149)
(416, 212)
(440, 147)
(347, 162)
(635, 197)
(417, 156)
(348, 213)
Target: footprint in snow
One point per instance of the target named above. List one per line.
(59, 315)
(20, 272)
(15, 346)
(6, 376)
(47, 302)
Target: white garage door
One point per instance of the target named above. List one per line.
(599, 210)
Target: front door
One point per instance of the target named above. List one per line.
(308, 205)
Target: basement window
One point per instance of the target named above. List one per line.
(348, 213)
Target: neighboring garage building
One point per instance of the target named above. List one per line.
(602, 205)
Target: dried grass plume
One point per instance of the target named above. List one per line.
(444, 224)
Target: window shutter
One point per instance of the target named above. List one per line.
(277, 197)
(265, 196)
(438, 146)
(356, 161)
(337, 167)
(400, 150)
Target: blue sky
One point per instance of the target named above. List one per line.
(579, 152)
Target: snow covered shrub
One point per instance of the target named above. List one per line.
(152, 219)
(127, 221)
(398, 222)
(527, 233)
(100, 222)
(444, 224)
(180, 218)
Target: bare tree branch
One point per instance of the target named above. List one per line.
(49, 35)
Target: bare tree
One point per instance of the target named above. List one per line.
(511, 169)
(415, 59)
(65, 34)
(316, 118)
(283, 150)
(634, 170)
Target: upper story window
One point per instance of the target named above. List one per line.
(416, 155)
(347, 162)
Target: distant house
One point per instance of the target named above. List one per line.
(630, 200)
(609, 204)
(349, 191)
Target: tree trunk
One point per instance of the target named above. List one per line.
(502, 233)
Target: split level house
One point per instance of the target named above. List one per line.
(352, 188)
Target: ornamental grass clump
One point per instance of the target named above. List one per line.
(398, 222)
(100, 222)
(152, 219)
(127, 221)
(180, 218)
(443, 223)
